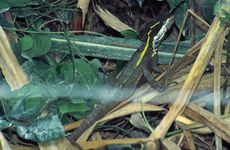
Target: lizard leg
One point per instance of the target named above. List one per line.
(151, 80)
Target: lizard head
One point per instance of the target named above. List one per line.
(154, 36)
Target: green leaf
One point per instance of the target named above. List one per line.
(77, 101)
(26, 103)
(38, 23)
(180, 11)
(4, 6)
(96, 64)
(95, 46)
(129, 34)
(111, 48)
(42, 130)
(16, 3)
(41, 45)
(222, 9)
(66, 106)
(4, 124)
(26, 43)
(207, 10)
(85, 74)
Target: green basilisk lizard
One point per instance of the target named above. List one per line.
(130, 75)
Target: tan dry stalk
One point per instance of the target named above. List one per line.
(217, 85)
(219, 126)
(11, 69)
(192, 80)
(205, 86)
(111, 20)
(84, 5)
(189, 138)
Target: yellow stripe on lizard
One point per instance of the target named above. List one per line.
(146, 45)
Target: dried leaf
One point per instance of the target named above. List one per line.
(3, 143)
(111, 20)
(217, 125)
(11, 69)
(138, 121)
(192, 80)
(59, 144)
(200, 128)
(84, 5)
(167, 144)
(128, 109)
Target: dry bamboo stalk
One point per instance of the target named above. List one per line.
(205, 86)
(11, 69)
(217, 86)
(4, 145)
(181, 139)
(227, 108)
(199, 128)
(182, 27)
(84, 5)
(190, 141)
(73, 125)
(187, 59)
(216, 124)
(192, 80)
(21, 147)
(168, 145)
(184, 61)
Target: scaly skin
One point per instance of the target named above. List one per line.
(127, 80)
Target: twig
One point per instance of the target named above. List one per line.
(217, 76)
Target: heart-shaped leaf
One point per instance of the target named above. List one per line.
(26, 43)
(41, 45)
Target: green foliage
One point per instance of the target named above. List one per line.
(35, 45)
(37, 109)
(25, 104)
(222, 9)
(61, 88)
(4, 4)
(180, 11)
(207, 10)
(57, 81)
(50, 89)
(4, 124)
(69, 107)
(96, 46)
(42, 130)
(129, 34)
(86, 75)
(87, 81)
(26, 43)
